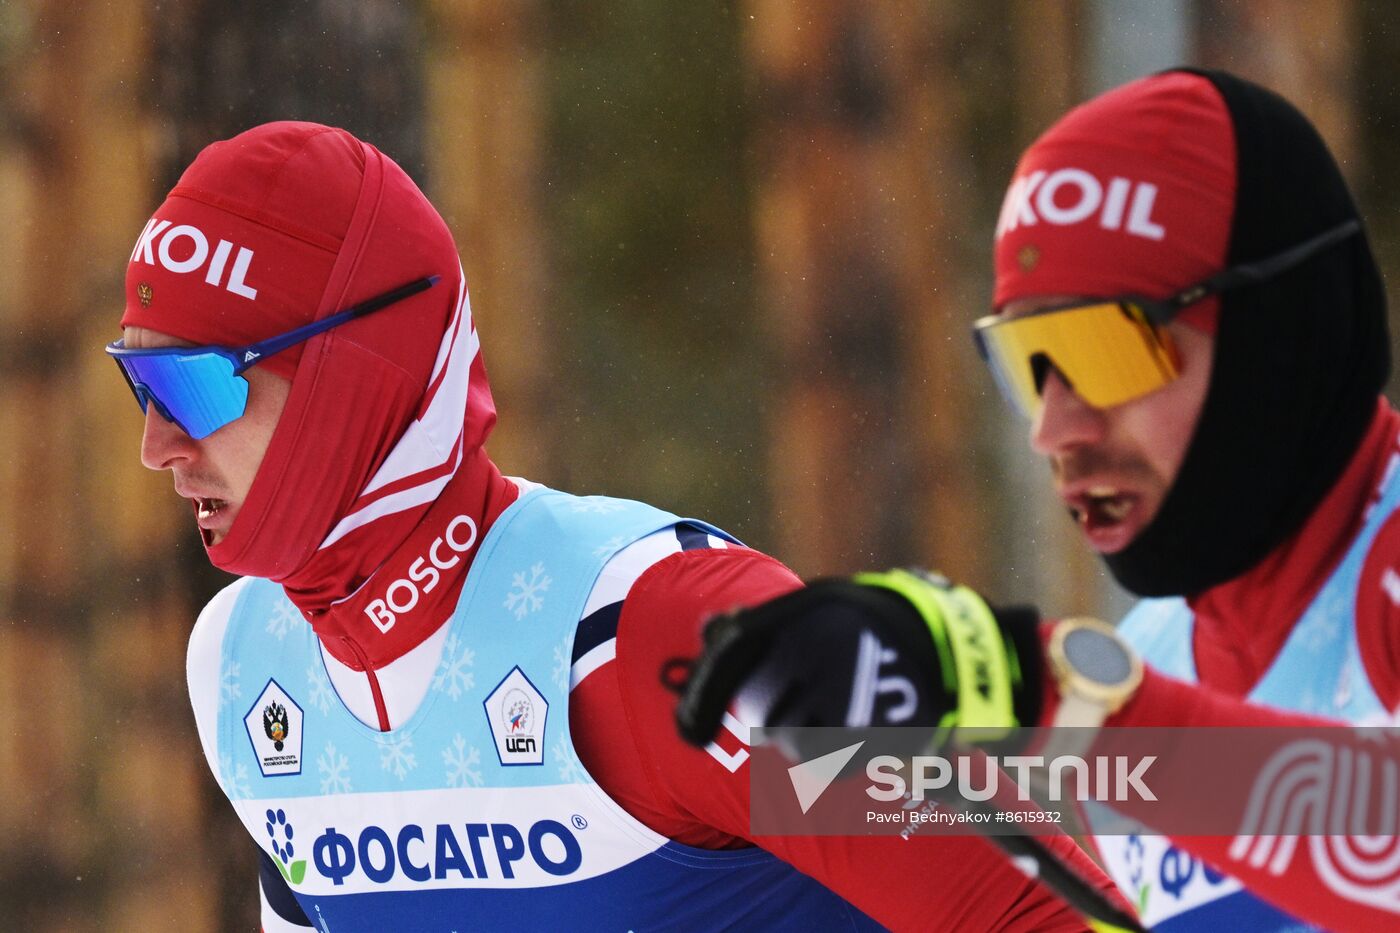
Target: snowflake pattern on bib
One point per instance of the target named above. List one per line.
(477, 805)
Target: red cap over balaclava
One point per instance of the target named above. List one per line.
(285, 224)
(244, 245)
(1131, 193)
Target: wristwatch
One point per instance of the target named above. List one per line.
(1096, 670)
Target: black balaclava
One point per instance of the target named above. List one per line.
(1299, 361)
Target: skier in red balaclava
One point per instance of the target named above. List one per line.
(433, 697)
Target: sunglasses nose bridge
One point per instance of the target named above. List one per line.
(1041, 366)
(143, 396)
(146, 398)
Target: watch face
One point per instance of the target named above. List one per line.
(1097, 657)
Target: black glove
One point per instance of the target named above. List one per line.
(890, 649)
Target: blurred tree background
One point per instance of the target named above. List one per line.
(723, 258)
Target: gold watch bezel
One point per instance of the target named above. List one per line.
(1070, 681)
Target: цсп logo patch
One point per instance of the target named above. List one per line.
(516, 712)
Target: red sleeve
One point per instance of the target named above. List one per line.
(1166, 701)
(703, 799)
(1310, 883)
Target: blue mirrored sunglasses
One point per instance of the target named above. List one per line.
(201, 389)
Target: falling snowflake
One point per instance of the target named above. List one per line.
(281, 621)
(561, 664)
(396, 757)
(228, 681)
(462, 764)
(524, 596)
(335, 767)
(235, 778)
(609, 546)
(320, 685)
(570, 769)
(452, 670)
(596, 505)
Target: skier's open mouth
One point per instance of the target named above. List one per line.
(1106, 515)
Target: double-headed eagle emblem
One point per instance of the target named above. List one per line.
(276, 724)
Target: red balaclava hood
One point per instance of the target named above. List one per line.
(1129, 194)
(285, 224)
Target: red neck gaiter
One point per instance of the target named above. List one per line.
(389, 571)
(377, 458)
